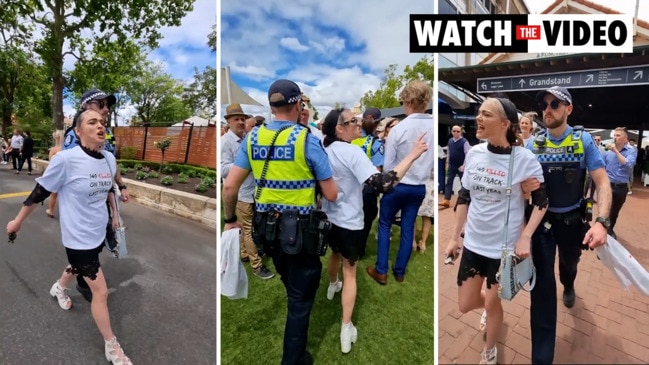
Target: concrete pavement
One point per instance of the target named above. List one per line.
(162, 298)
(607, 324)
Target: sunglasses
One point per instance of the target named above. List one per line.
(554, 104)
(351, 121)
(100, 103)
(454, 131)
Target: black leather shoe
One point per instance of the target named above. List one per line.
(86, 293)
(569, 297)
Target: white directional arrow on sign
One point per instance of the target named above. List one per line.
(522, 82)
(589, 78)
(484, 86)
(637, 75)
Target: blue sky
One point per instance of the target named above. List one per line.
(181, 48)
(335, 50)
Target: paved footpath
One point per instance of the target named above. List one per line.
(162, 297)
(607, 325)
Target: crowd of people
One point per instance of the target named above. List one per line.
(19, 148)
(309, 187)
(545, 176)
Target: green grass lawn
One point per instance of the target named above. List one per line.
(395, 322)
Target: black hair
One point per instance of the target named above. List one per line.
(329, 126)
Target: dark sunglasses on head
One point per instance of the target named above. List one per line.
(100, 103)
(354, 120)
(554, 104)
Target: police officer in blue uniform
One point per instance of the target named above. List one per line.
(287, 163)
(566, 154)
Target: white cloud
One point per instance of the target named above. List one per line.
(254, 72)
(293, 44)
(333, 44)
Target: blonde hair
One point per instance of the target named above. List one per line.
(418, 93)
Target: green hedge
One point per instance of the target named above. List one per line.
(172, 168)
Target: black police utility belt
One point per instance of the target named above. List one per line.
(295, 233)
(563, 168)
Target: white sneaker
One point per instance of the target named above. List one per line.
(348, 335)
(334, 288)
(489, 356)
(58, 292)
(115, 354)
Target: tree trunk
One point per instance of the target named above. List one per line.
(57, 98)
(57, 65)
(6, 120)
(161, 163)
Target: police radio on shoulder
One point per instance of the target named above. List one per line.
(230, 220)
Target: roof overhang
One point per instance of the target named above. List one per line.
(597, 107)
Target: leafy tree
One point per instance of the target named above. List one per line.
(211, 39)
(157, 96)
(162, 145)
(63, 22)
(386, 95)
(110, 68)
(424, 69)
(200, 95)
(15, 64)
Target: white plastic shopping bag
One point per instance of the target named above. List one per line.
(234, 280)
(623, 265)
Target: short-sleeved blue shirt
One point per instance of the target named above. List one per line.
(377, 151)
(315, 154)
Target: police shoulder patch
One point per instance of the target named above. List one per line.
(68, 140)
(381, 148)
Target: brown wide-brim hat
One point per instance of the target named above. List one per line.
(234, 110)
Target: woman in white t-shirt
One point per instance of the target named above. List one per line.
(352, 169)
(82, 177)
(482, 205)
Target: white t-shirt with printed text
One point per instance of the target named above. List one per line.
(351, 168)
(485, 176)
(82, 183)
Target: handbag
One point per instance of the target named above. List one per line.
(514, 272)
(115, 239)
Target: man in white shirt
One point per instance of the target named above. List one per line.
(408, 195)
(236, 119)
(16, 144)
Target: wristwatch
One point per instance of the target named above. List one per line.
(604, 221)
(230, 220)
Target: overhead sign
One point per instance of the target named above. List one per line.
(605, 77)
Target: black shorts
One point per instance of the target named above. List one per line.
(473, 264)
(84, 262)
(348, 243)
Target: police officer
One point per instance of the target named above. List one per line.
(565, 153)
(373, 148)
(286, 162)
